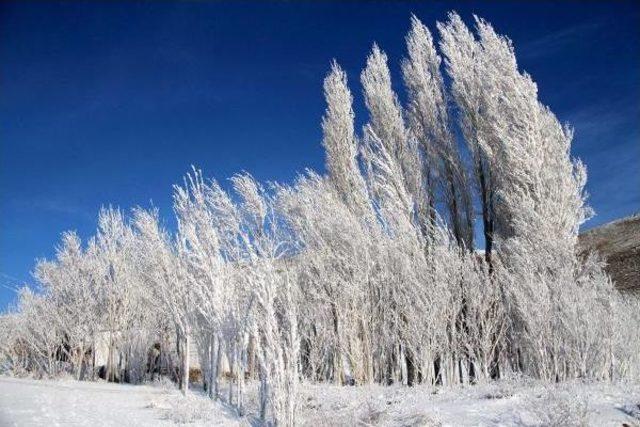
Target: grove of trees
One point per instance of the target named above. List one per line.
(367, 274)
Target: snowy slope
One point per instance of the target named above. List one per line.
(506, 403)
(51, 403)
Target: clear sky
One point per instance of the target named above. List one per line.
(110, 103)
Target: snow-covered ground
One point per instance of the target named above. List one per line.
(502, 404)
(26, 402)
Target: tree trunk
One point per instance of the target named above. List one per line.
(185, 365)
(264, 394)
(213, 371)
(216, 381)
(487, 215)
(109, 374)
(240, 378)
(93, 365)
(231, 357)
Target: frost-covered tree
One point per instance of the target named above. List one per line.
(118, 286)
(36, 338)
(162, 269)
(70, 284)
(538, 195)
(273, 297)
(462, 53)
(333, 257)
(386, 134)
(428, 120)
(200, 253)
(341, 144)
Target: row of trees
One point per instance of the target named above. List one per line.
(368, 274)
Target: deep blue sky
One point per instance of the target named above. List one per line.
(110, 103)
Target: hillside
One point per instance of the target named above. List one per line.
(618, 242)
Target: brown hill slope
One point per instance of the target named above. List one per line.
(618, 243)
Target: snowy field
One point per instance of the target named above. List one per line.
(26, 402)
(50, 403)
